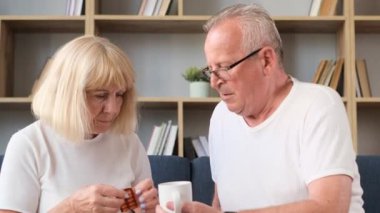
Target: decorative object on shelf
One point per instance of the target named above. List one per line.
(199, 84)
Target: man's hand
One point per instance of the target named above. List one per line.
(189, 207)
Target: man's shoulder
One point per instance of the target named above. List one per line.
(317, 92)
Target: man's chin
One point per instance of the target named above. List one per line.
(234, 109)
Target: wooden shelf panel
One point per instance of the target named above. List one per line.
(368, 102)
(157, 103)
(173, 102)
(39, 24)
(200, 103)
(164, 24)
(193, 24)
(367, 24)
(15, 103)
(307, 24)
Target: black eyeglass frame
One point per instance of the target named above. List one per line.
(207, 72)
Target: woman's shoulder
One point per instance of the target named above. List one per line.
(29, 130)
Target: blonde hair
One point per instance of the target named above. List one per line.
(256, 24)
(85, 63)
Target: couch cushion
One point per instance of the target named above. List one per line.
(203, 186)
(369, 169)
(169, 168)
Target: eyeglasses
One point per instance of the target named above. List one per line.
(222, 72)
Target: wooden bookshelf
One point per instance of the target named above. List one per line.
(180, 37)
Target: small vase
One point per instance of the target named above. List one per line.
(199, 89)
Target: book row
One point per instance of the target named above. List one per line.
(147, 7)
(74, 7)
(196, 147)
(163, 138)
(154, 7)
(330, 73)
(323, 7)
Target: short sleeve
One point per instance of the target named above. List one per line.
(19, 179)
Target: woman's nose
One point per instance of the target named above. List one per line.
(112, 105)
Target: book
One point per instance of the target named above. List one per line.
(358, 91)
(198, 147)
(68, 7)
(74, 7)
(170, 142)
(164, 9)
(328, 7)
(325, 71)
(336, 77)
(142, 7)
(318, 72)
(361, 69)
(154, 140)
(78, 7)
(157, 7)
(329, 74)
(204, 144)
(314, 8)
(149, 7)
(163, 138)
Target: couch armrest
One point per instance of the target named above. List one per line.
(369, 169)
(169, 168)
(203, 186)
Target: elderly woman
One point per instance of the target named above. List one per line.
(82, 151)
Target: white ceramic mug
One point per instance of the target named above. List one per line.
(175, 191)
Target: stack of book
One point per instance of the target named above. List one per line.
(196, 147)
(162, 140)
(74, 7)
(330, 73)
(323, 7)
(154, 7)
(363, 88)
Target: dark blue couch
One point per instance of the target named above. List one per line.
(369, 169)
(171, 168)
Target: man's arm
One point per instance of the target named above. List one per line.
(327, 194)
(215, 200)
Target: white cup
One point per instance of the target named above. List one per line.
(175, 191)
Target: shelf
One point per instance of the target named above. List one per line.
(308, 24)
(368, 102)
(15, 103)
(159, 24)
(39, 24)
(367, 24)
(27, 40)
(193, 24)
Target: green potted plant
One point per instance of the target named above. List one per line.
(193, 74)
(199, 83)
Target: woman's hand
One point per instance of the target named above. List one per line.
(93, 198)
(147, 195)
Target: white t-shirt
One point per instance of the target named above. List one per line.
(41, 168)
(306, 138)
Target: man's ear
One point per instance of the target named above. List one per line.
(268, 59)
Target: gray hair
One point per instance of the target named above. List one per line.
(257, 26)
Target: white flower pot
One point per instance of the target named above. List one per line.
(199, 89)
